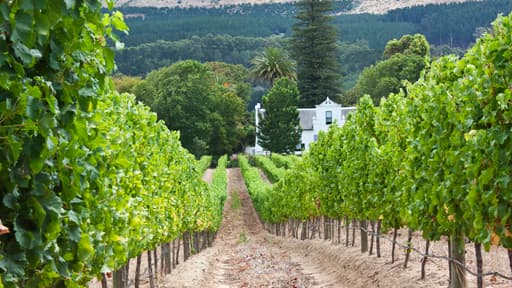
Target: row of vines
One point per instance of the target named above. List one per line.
(436, 158)
(88, 177)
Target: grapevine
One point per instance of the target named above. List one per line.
(435, 157)
(88, 177)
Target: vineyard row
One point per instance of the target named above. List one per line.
(435, 158)
(88, 177)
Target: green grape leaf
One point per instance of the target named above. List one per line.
(22, 31)
(26, 55)
(14, 264)
(85, 249)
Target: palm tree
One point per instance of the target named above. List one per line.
(273, 64)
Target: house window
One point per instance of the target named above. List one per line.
(315, 137)
(328, 117)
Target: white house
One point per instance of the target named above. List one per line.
(312, 121)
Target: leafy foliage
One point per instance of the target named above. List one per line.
(204, 163)
(272, 65)
(269, 168)
(258, 189)
(88, 177)
(219, 188)
(435, 158)
(404, 60)
(207, 108)
(124, 83)
(284, 161)
(146, 57)
(279, 129)
(313, 46)
(451, 24)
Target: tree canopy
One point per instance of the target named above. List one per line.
(273, 64)
(404, 59)
(207, 108)
(314, 47)
(279, 130)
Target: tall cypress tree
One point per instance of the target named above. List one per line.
(313, 46)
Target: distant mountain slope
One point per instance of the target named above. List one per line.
(382, 6)
(360, 6)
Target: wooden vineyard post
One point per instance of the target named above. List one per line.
(155, 260)
(150, 271)
(339, 231)
(104, 283)
(137, 271)
(120, 277)
(326, 228)
(395, 232)
(424, 260)
(479, 265)
(303, 233)
(313, 229)
(178, 247)
(409, 247)
(379, 223)
(457, 272)
(209, 238)
(166, 258)
(364, 236)
(510, 258)
(347, 231)
(197, 248)
(318, 227)
(186, 245)
(354, 222)
(174, 254)
(333, 229)
(127, 273)
(372, 238)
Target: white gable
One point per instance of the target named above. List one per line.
(312, 120)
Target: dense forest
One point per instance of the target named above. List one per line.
(241, 20)
(454, 24)
(144, 58)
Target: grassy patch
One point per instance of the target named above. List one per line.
(243, 237)
(235, 201)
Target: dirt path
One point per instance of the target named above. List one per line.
(245, 255)
(208, 175)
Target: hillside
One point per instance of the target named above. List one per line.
(382, 6)
(360, 6)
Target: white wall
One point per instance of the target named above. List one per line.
(319, 122)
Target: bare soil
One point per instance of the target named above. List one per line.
(208, 175)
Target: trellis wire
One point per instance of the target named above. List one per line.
(495, 273)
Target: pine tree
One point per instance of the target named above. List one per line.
(279, 130)
(313, 47)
